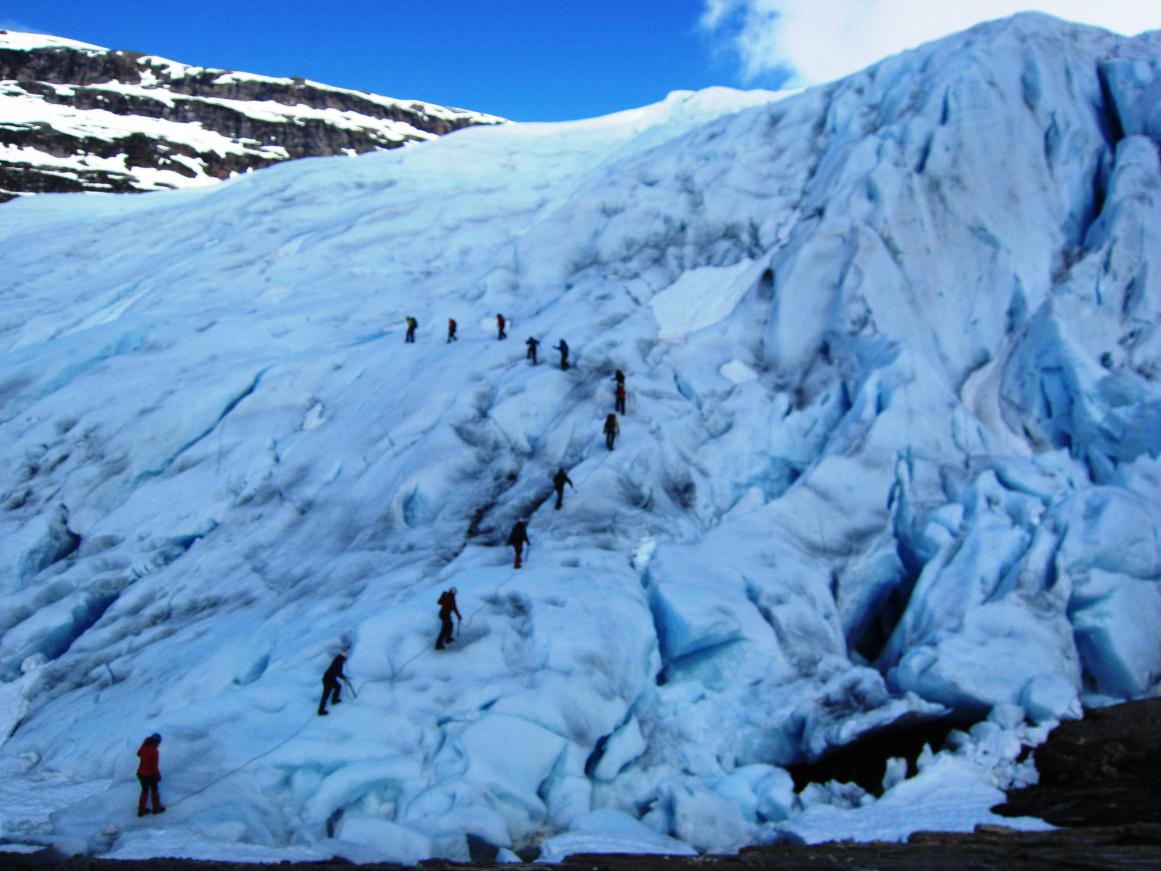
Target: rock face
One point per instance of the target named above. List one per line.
(1101, 770)
(77, 117)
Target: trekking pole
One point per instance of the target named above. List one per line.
(351, 688)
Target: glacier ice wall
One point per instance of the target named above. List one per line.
(890, 455)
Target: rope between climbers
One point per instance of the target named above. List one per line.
(245, 764)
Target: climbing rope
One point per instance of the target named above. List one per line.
(428, 648)
(245, 764)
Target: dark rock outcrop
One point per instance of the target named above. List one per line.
(1102, 770)
(181, 126)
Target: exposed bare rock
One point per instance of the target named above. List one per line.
(76, 117)
(1102, 770)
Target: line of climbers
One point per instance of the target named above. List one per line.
(501, 334)
(517, 539)
(149, 771)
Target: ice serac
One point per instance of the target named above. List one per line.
(890, 456)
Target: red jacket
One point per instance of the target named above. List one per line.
(149, 763)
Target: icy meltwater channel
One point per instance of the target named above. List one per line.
(888, 458)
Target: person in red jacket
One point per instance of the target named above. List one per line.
(149, 774)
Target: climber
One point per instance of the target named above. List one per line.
(612, 428)
(500, 324)
(619, 376)
(563, 348)
(451, 330)
(412, 323)
(517, 539)
(447, 607)
(330, 682)
(619, 400)
(558, 481)
(149, 775)
(532, 344)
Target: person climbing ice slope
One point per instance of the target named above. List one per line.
(149, 774)
(330, 682)
(517, 539)
(447, 607)
(558, 481)
(612, 428)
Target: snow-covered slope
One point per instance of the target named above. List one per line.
(75, 117)
(890, 454)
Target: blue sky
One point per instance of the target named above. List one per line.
(539, 60)
(522, 59)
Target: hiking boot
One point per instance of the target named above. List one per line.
(159, 810)
(322, 713)
(141, 812)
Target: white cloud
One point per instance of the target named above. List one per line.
(821, 40)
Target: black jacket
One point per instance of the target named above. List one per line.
(447, 605)
(335, 672)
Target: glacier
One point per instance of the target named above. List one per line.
(890, 457)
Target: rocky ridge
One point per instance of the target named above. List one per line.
(78, 117)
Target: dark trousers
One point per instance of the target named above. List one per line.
(519, 548)
(564, 362)
(330, 688)
(619, 405)
(445, 632)
(559, 498)
(149, 790)
(410, 337)
(609, 438)
(532, 355)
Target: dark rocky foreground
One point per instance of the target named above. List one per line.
(1100, 780)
